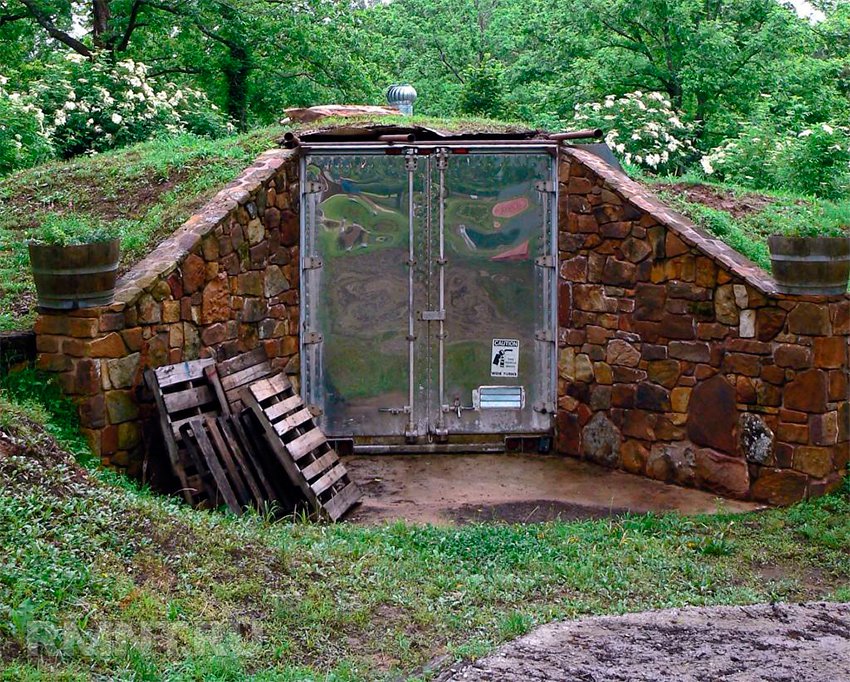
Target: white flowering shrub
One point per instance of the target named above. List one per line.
(642, 128)
(814, 160)
(23, 138)
(92, 106)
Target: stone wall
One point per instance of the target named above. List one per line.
(679, 359)
(225, 282)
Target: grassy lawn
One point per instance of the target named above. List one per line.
(101, 578)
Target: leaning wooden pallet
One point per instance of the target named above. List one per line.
(301, 447)
(183, 392)
(237, 372)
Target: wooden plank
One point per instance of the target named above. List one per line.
(211, 374)
(255, 448)
(195, 430)
(168, 435)
(292, 421)
(225, 455)
(276, 444)
(328, 479)
(184, 371)
(245, 376)
(244, 460)
(324, 462)
(284, 406)
(265, 388)
(197, 396)
(242, 361)
(342, 501)
(306, 443)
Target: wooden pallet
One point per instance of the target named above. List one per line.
(300, 446)
(237, 372)
(182, 393)
(233, 476)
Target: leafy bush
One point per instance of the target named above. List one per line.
(814, 161)
(643, 128)
(70, 230)
(23, 140)
(91, 105)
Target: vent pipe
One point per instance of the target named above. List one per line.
(402, 98)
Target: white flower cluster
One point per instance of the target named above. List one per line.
(643, 128)
(93, 105)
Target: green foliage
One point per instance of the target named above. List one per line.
(70, 230)
(34, 396)
(23, 141)
(481, 93)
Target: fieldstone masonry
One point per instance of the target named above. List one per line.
(678, 358)
(225, 282)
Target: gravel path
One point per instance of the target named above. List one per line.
(768, 643)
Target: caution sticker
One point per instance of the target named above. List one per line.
(504, 360)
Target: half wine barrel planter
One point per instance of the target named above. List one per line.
(78, 276)
(810, 265)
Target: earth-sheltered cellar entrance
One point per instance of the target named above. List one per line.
(643, 343)
(428, 280)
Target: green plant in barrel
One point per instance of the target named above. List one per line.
(74, 263)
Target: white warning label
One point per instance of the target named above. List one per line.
(504, 360)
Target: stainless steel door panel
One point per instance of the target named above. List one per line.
(406, 292)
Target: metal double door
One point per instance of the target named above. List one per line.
(428, 291)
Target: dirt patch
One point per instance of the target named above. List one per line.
(768, 643)
(737, 205)
(532, 511)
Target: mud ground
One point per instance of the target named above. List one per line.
(453, 489)
(763, 643)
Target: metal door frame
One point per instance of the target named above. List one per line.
(310, 259)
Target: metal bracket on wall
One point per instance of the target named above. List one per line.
(312, 187)
(545, 261)
(544, 335)
(432, 315)
(311, 263)
(312, 337)
(547, 186)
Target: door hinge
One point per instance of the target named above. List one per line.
(432, 315)
(545, 261)
(410, 160)
(545, 186)
(315, 410)
(442, 156)
(311, 263)
(544, 407)
(311, 337)
(545, 335)
(312, 187)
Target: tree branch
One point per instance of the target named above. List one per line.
(132, 25)
(47, 24)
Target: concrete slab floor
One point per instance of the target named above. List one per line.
(452, 489)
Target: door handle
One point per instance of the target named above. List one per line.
(457, 407)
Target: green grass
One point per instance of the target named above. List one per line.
(101, 578)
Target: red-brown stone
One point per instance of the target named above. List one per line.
(721, 473)
(809, 319)
(712, 415)
(194, 273)
(830, 352)
(769, 322)
(779, 486)
(795, 357)
(807, 392)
